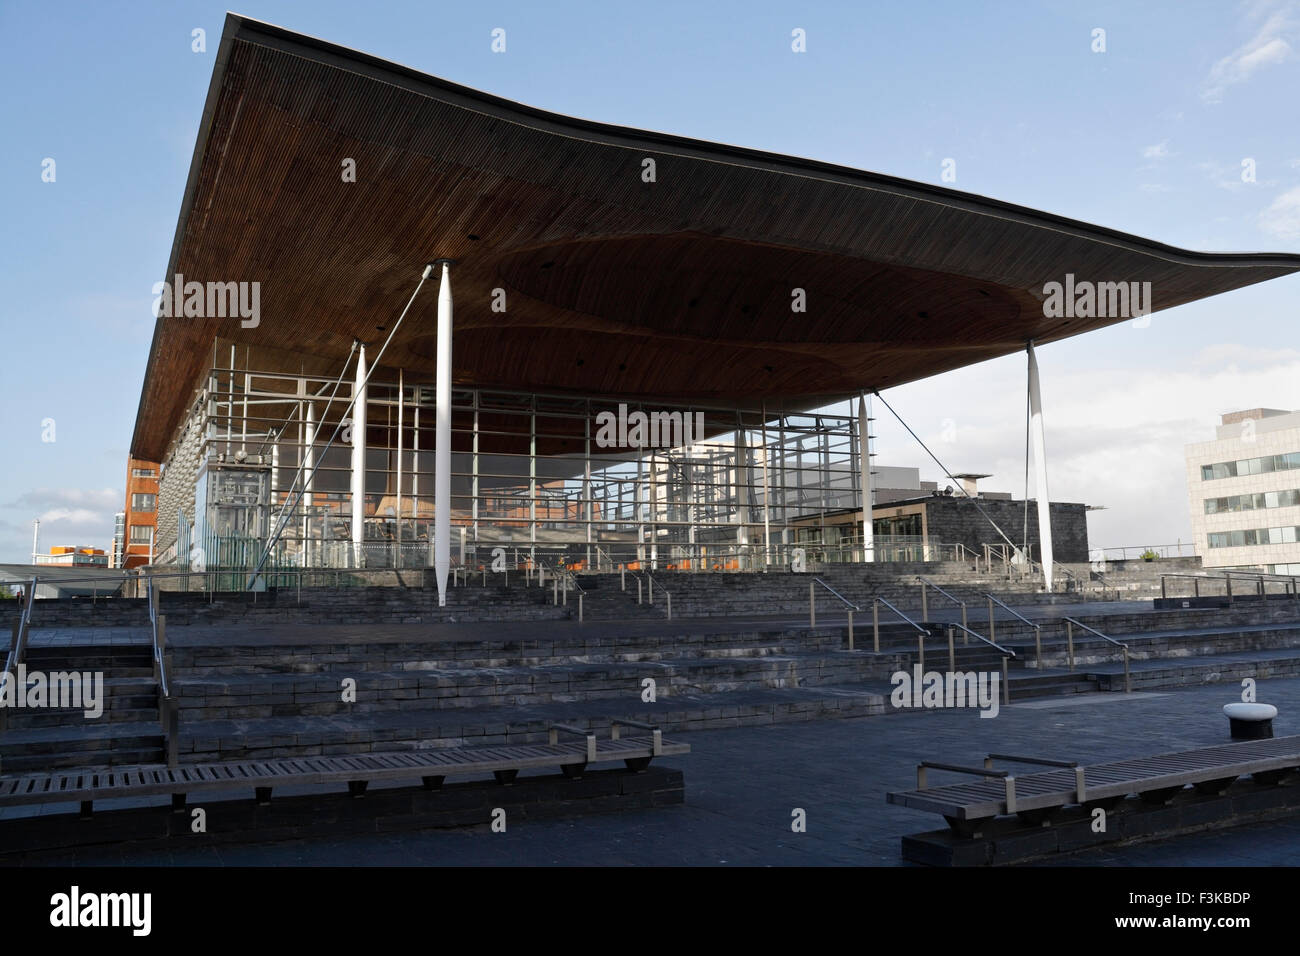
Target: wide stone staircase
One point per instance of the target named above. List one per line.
(348, 670)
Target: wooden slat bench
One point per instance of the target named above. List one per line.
(1156, 779)
(431, 767)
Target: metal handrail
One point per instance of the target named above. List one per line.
(1070, 624)
(168, 706)
(668, 595)
(847, 603)
(925, 606)
(1038, 628)
(880, 600)
(18, 645)
(812, 606)
(1226, 577)
(1004, 651)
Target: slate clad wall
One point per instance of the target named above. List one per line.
(956, 520)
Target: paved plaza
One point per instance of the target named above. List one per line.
(742, 786)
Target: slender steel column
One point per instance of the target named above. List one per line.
(359, 459)
(864, 467)
(474, 490)
(1040, 468)
(442, 440)
(401, 403)
(308, 469)
(767, 494)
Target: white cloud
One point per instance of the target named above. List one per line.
(1270, 45)
(1282, 218)
(1115, 435)
(1159, 151)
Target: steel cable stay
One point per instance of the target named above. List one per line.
(271, 541)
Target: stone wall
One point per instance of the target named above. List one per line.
(956, 520)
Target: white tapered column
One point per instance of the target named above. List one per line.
(359, 459)
(864, 467)
(442, 441)
(309, 480)
(1040, 469)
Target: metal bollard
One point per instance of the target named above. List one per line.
(812, 606)
(952, 651)
(875, 625)
(638, 590)
(1069, 642)
(850, 630)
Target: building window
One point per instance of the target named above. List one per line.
(144, 502)
(1253, 502)
(142, 473)
(141, 534)
(1241, 539)
(1251, 466)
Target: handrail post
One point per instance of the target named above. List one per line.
(992, 633)
(1006, 682)
(1038, 647)
(555, 589)
(952, 651)
(875, 624)
(850, 629)
(1227, 579)
(1162, 587)
(812, 605)
(668, 596)
(1128, 681)
(920, 653)
(638, 590)
(622, 576)
(1069, 639)
(965, 638)
(579, 607)
(1196, 586)
(925, 603)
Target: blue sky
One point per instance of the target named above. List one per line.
(1147, 137)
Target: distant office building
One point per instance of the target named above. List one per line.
(119, 540)
(1244, 492)
(68, 557)
(140, 529)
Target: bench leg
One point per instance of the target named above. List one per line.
(1161, 796)
(432, 783)
(1034, 818)
(573, 770)
(1271, 777)
(357, 788)
(970, 829)
(262, 795)
(637, 764)
(1214, 788)
(505, 777)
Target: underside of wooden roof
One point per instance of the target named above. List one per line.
(681, 287)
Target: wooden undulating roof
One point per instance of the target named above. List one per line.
(679, 288)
